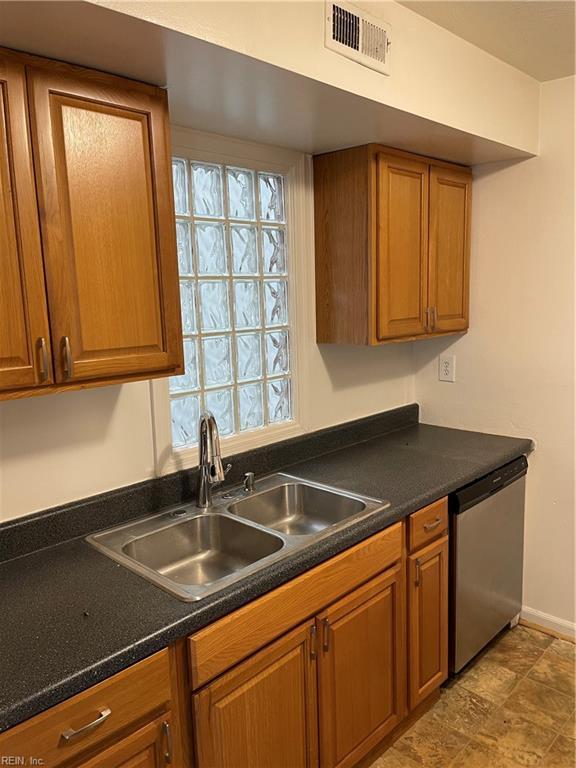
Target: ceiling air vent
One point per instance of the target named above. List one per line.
(358, 36)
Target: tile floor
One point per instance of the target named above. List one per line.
(513, 706)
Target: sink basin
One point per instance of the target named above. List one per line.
(193, 554)
(297, 509)
(203, 549)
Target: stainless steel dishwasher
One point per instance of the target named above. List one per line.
(486, 557)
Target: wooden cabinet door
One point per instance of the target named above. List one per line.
(25, 358)
(449, 253)
(362, 669)
(103, 164)
(263, 712)
(402, 250)
(428, 619)
(149, 747)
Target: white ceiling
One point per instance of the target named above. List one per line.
(535, 36)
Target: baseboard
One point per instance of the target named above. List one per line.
(551, 624)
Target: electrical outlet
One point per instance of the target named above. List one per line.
(447, 368)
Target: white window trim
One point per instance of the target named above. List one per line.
(298, 169)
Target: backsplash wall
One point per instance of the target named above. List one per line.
(60, 448)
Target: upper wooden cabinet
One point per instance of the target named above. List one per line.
(450, 192)
(104, 195)
(392, 246)
(402, 251)
(25, 359)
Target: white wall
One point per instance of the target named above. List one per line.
(515, 368)
(58, 448)
(436, 75)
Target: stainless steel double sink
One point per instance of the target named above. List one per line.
(193, 553)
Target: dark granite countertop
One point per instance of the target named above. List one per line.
(72, 617)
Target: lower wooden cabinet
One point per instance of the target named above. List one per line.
(235, 637)
(428, 624)
(314, 674)
(361, 669)
(149, 747)
(132, 719)
(262, 713)
(351, 659)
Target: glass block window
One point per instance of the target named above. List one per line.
(232, 256)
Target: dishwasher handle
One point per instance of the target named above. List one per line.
(488, 485)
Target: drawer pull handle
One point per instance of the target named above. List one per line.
(72, 734)
(168, 738)
(433, 524)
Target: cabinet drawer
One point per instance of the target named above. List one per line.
(427, 524)
(128, 696)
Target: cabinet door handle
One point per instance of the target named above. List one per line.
(43, 358)
(167, 733)
(70, 734)
(417, 581)
(433, 524)
(433, 322)
(68, 362)
(427, 316)
(313, 641)
(325, 635)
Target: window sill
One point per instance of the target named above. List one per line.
(188, 457)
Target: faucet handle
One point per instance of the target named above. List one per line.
(249, 482)
(218, 472)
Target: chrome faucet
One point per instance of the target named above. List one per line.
(210, 463)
